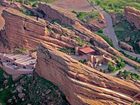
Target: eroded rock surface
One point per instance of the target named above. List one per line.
(126, 46)
(81, 84)
(133, 16)
(24, 31)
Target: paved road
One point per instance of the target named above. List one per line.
(109, 31)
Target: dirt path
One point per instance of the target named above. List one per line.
(1, 18)
(77, 5)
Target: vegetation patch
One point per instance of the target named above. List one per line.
(128, 75)
(29, 90)
(108, 40)
(116, 5)
(32, 2)
(67, 50)
(87, 16)
(113, 68)
(127, 33)
(84, 61)
(80, 41)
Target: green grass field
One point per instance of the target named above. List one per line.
(116, 5)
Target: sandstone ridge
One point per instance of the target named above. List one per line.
(83, 85)
(133, 16)
(27, 32)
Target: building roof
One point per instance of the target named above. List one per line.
(87, 50)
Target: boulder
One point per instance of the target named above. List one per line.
(126, 46)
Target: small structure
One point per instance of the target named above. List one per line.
(86, 50)
(99, 60)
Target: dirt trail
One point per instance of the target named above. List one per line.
(78, 5)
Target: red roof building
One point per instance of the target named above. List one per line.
(86, 50)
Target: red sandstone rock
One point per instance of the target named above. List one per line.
(27, 32)
(81, 84)
(132, 15)
(126, 46)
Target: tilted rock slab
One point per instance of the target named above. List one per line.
(81, 84)
(133, 16)
(24, 31)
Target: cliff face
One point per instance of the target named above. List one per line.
(54, 13)
(26, 32)
(21, 31)
(83, 85)
(133, 16)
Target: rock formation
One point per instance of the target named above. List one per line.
(133, 16)
(54, 13)
(83, 85)
(21, 30)
(27, 32)
(126, 46)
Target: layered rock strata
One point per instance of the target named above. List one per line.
(27, 32)
(24, 31)
(133, 16)
(81, 84)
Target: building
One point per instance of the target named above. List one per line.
(86, 51)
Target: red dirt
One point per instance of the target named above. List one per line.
(1, 18)
(78, 5)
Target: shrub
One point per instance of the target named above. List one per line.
(100, 31)
(80, 41)
(86, 16)
(111, 67)
(83, 61)
(67, 50)
(129, 75)
(109, 41)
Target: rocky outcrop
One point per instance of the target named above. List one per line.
(54, 13)
(22, 30)
(28, 32)
(83, 85)
(133, 16)
(126, 46)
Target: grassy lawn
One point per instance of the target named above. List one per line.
(116, 5)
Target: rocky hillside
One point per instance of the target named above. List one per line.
(21, 30)
(31, 31)
(132, 15)
(29, 90)
(81, 84)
